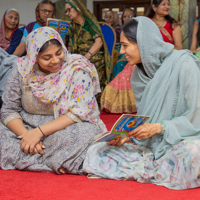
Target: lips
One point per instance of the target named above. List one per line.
(55, 67)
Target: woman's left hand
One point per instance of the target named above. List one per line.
(198, 49)
(145, 131)
(29, 140)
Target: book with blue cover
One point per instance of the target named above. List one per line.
(59, 25)
(122, 127)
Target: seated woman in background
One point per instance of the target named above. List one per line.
(112, 18)
(118, 95)
(85, 38)
(127, 15)
(166, 85)
(7, 63)
(10, 34)
(169, 28)
(44, 10)
(49, 113)
(195, 45)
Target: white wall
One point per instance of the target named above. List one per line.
(26, 9)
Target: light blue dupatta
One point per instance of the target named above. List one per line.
(171, 92)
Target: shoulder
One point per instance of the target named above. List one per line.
(18, 33)
(30, 26)
(15, 75)
(175, 24)
(196, 23)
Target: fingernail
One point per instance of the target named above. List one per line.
(43, 147)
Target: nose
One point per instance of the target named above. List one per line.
(55, 59)
(122, 51)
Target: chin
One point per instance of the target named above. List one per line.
(131, 63)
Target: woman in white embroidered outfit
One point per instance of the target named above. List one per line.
(49, 113)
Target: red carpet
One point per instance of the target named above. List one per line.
(20, 185)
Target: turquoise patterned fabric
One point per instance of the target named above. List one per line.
(170, 94)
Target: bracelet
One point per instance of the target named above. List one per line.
(41, 131)
(162, 128)
(89, 54)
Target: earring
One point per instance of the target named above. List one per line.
(155, 10)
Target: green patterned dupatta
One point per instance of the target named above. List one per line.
(94, 25)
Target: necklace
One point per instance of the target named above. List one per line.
(159, 22)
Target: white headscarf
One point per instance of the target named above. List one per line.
(57, 88)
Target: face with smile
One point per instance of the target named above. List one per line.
(163, 8)
(46, 11)
(109, 18)
(71, 12)
(130, 49)
(11, 20)
(50, 60)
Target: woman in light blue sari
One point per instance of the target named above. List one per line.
(7, 63)
(166, 85)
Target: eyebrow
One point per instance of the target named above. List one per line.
(123, 42)
(51, 54)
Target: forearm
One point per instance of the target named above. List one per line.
(178, 47)
(17, 127)
(20, 49)
(56, 125)
(95, 47)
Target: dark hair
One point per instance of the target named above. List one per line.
(198, 34)
(48, 43)
(130, 30)
(46, 2)
(133, 11)
(151, 12)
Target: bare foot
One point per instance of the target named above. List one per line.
(62, 170)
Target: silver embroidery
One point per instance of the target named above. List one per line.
(73, 117)
(10, 118)
(33, 105)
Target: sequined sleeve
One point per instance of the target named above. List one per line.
(73, 117)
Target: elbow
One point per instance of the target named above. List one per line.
(100, 44)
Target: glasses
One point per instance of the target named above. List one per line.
(108, 17)
(128, 16)
(47, 11)
(68, 10)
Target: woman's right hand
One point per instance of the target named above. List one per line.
(29, 140)
(119, 142)
(38, 148)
